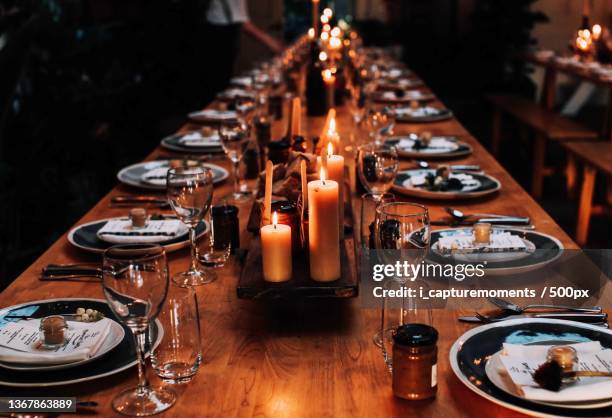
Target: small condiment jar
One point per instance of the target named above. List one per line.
(53, 330)
(226, 226)
(278, 151)
(482, 233)
(138, 216)
(566, 357)
(263, 131)
(415, 358)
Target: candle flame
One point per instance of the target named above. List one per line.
(311, 33)
(324, 19)
(328, 77)
(330, 149)
(332, 126)
(326, 27)
(596, 31)
(328, 12)
(274, 219)
(335, 32)
(321, 176)
(324, 36)
(323, 56)
(335, 43)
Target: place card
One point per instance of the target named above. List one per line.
(500, 242)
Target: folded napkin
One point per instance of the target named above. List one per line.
(521, 361)
(500, 242)
(468, 181)
(408, 95)
(233, 93)
(418, 112)
(242, 81)
(211, 115)
(120, 231)
(196, 139)
(20, 342)
(436, 144)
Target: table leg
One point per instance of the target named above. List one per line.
(539, 153)
(586, 204)
(570, 175)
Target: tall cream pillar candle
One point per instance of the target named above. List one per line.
(267, 207)
(276, 251)
(335, 172)
(323, 234)
(296, 115)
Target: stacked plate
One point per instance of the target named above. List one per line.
(422, 114)
(475, 360)
(438, 147)
(115, 355)
(152, 174)
(195, 142)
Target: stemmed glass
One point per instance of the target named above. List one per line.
(190, 192)
(402, 234)
(377, 166)
(135, 283)
(377, 119)
(235, 141)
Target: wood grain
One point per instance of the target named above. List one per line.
(302, 359)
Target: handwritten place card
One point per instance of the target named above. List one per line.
(20, 342)
(520, 369)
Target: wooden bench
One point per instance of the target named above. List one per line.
(596, 157)
(547, 125)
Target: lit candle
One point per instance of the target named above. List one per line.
(596, 32)
(311, 33)
(323, 234)
(335, 172)
(332, 135)
(304, 179)
(482, 233)
(276, 251)
(330, 79)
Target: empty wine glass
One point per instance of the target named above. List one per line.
(377, 166)
(190, 191)
(377, 119)
(135, 284)
(235, 141)
(402, 232)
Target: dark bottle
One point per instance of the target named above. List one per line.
(226, 226)
(315, 86)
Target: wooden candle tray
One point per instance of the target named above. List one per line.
(251, 284)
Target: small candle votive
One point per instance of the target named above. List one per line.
(565, 356)
(138, 216)
(482, 233)
(53, 329)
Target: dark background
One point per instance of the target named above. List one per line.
(87, 87)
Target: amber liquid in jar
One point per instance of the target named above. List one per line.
(415, 358)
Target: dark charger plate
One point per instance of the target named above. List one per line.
(468, 358)
(118, 359)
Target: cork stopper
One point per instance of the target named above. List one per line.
(138, 216)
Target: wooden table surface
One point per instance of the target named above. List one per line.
(314, 358)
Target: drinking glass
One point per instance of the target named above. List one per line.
(235, 141)
(214, 253)
(369, 203)
(135, 284)
(402, 232)
(190, 191)
(377, 166)
(377, 119)
(178, 356)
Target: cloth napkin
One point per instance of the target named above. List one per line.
(20, 342)
(437, 144)
(520, 361)
(196, 139)
(120, 231)
(212, 115)
(408, 95)
(233, 93)
(466, 180)
(500, 241)
(418, 112)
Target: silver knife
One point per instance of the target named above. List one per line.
(570, 316)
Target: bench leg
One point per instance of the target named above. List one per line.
(586, 204)
(570, 176)
(496, 134)
(539, 154)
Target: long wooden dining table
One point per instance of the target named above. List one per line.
(311, 358)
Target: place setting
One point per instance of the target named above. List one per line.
(205, 140)
(400, 95)
(151, 175)
(421, 113)
(429, 146)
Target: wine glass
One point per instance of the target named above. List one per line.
(377, 119)
(402, 233)
(377, 166)
(135, 284)
(190, 191)
(235, 141)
